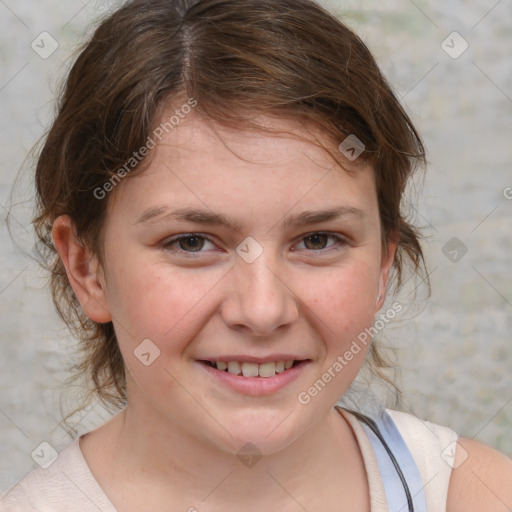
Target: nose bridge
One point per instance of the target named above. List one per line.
(260, 299)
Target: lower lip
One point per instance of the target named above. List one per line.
(256, 386)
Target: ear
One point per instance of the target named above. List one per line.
(388, 257)
(83, 270)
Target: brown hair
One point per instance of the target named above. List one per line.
(235, 58)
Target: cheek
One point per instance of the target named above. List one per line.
(341, 312)
(345, 302)
(156, 313)
(158, 302)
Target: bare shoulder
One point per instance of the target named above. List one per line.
(481, 479)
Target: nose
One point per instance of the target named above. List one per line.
(260, 300)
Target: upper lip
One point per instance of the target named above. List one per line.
(252, 359)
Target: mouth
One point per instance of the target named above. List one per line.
(252, 369)
(255, 377)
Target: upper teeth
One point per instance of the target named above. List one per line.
(254, 369)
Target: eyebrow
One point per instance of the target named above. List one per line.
(162, 213)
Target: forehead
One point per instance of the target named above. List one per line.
(278, 140)
(207, 163)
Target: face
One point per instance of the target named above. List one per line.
(264, 251)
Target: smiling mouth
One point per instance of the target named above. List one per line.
(246, 369)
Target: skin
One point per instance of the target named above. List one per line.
(481, 481)
(181, 431)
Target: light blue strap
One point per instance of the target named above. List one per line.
(395, 493)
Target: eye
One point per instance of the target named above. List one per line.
(316, 242)
(194, 243)
(189, 243)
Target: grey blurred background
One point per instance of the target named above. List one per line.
(454, 349)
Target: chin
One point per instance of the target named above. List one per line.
(264, 432)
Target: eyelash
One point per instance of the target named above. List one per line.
(167, 244)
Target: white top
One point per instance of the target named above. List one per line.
(427, 443)
(69, 486)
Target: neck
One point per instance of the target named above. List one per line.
(153, 452)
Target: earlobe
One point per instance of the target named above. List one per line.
(83, 270)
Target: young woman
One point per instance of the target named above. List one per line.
(219, 206)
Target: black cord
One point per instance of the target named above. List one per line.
(376, 431)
